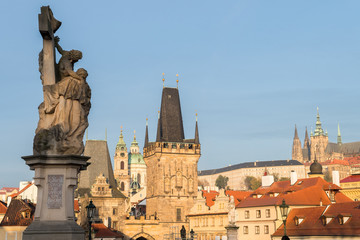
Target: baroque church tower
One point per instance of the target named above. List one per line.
(121, 170)
(171, 164)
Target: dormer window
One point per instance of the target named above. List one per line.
(343, 218)
(298, 220)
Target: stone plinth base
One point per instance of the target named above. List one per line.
(56, 178)
(54, 230)
(231, 231)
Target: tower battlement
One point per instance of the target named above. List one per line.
(172, 147)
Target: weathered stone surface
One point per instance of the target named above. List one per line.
(63, 114)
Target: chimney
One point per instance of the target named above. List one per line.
(293, 177)
(267, 180)
(336, 178)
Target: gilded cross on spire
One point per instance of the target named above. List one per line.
(177, 80)
(163, 79)
(134, 135)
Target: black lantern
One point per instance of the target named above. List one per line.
(284, 208)
(90, 214)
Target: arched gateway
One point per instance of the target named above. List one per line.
(142, 236)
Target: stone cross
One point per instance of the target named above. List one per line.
(47, 27)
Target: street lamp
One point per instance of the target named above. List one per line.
(284, 208)
(90, 213)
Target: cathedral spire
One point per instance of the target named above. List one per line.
(306, 141)
(146, 135)
(197, 140)
(339, 136)
(296, 136)
(318, 130)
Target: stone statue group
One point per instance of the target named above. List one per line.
(64, 111)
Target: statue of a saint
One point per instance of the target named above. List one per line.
(231, 214)
(63, 114)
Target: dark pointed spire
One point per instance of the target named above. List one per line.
(170, 126)
(296, 136)
(306, 135)
(146, 135)
(197, 140)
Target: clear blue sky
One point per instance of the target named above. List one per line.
(251, 69)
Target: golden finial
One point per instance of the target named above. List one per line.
(134, 135)
(163, 79)
(121, 130)
(196, 115)
(177, 80)
(147, 121)
(159, 114)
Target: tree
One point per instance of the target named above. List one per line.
(327, 176)
(221, 181)
(284, 179)
(203, 183)
(252, 183)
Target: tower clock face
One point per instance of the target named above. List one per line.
(122, 154)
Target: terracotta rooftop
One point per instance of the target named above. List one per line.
(3, 207)
(323, 221)
(19, 213)
(352, 178)
(101, 231)
(210, 197)
(307, 191)
(10, 189)
(21, 191)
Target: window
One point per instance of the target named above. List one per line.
(257, 229)
(246, 230)
(139, 178)
(266, 229)
(267, 213)
(122, 148)
(122, 186)
(114, 225)
(258, 213)
(122, 165)
(247, 214)
(114, 212)
(178, 214)
(122, 154)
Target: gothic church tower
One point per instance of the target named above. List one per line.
(121, 170)
(171, 164)
(296, 149)
(319, 141)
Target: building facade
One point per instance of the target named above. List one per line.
(237, 173)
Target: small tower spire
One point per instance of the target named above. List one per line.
(296, 136)
(146, 135)
(339, 136)
(318, 130)
(163, 79)
(177, 80)
(197, 140)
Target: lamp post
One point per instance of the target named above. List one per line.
(284, 208)
(90, 213)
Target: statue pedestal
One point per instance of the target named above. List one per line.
(231, 231)
(56, 178)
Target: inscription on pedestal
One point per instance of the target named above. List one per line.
(55, 184)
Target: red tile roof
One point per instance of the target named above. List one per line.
(10, 189)
(76, 205)
(352, 178)
(238, 195)
(21, 191)
(312, 224)
(307, 191)
(14, 216)
(210, 197)
(3, 207)
(101, 231)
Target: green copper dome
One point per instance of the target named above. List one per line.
(136, 158)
